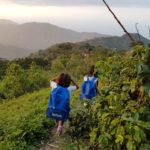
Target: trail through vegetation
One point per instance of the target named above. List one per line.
(117, 119)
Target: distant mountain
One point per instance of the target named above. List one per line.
(7, 22)
(116, 42)
(11, 52)
(34, 36)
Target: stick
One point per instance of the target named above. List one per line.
(51, 145)
(130, 37)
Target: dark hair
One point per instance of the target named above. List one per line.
(64, 80)
(91, 71)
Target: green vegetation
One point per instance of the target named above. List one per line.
(117, 119)
(3, 66)
(23, 124)
(115, 42)
(30, 74)
(18, 81)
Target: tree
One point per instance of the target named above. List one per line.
(12, 84)
(35, 78)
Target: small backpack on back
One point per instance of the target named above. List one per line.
(88, 89)
(58, 105)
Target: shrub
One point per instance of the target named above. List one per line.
(23, 124)
(118, 118)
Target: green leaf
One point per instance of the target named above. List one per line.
(136, 136)
(93, 135)
(144, 147)
(119, 139)
(120, 130)
(144, 124)
(135, 116)
(139, 134)
(104, 116)
(103, 140)
(130, 145)
(115, 121)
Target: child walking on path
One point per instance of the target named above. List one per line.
(89, 87)
(59, 101)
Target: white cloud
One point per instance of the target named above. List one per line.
(85, 18)
(122, 3)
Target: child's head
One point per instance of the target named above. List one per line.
(91, 71)
(64, 80)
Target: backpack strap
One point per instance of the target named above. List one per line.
(53, 96)
(87, 77)
(87, 88)
(94, 78)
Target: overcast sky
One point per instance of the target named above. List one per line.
(80, 2)
(81, 15)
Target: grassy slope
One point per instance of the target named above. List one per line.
(24, 119)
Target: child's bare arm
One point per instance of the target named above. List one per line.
(74, 83)
(97, 88)
(53, 82)
(54, 79)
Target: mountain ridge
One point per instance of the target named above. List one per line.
(117, 42)
(33, 36)
(6, 21)
(20, 40)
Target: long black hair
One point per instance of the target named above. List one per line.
(64, 80)
(91, 71)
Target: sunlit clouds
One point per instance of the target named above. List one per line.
(92, 18)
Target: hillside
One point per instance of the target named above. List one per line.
(116, 42)
(68, 49)
(6, 22)
(116, 119)
(11, 52)
(28, 124)
(33, 36)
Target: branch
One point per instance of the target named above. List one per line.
(130, 37)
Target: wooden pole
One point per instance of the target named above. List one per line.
(137, 30)
(128, 34)
(149, 30)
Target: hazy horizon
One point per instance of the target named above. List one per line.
(81, 15)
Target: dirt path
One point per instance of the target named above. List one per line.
(56, 142)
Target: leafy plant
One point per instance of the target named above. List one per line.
(23, 124)
(118, 118)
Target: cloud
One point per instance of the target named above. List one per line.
(118, 3)
(129, 3)
(54, 2)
